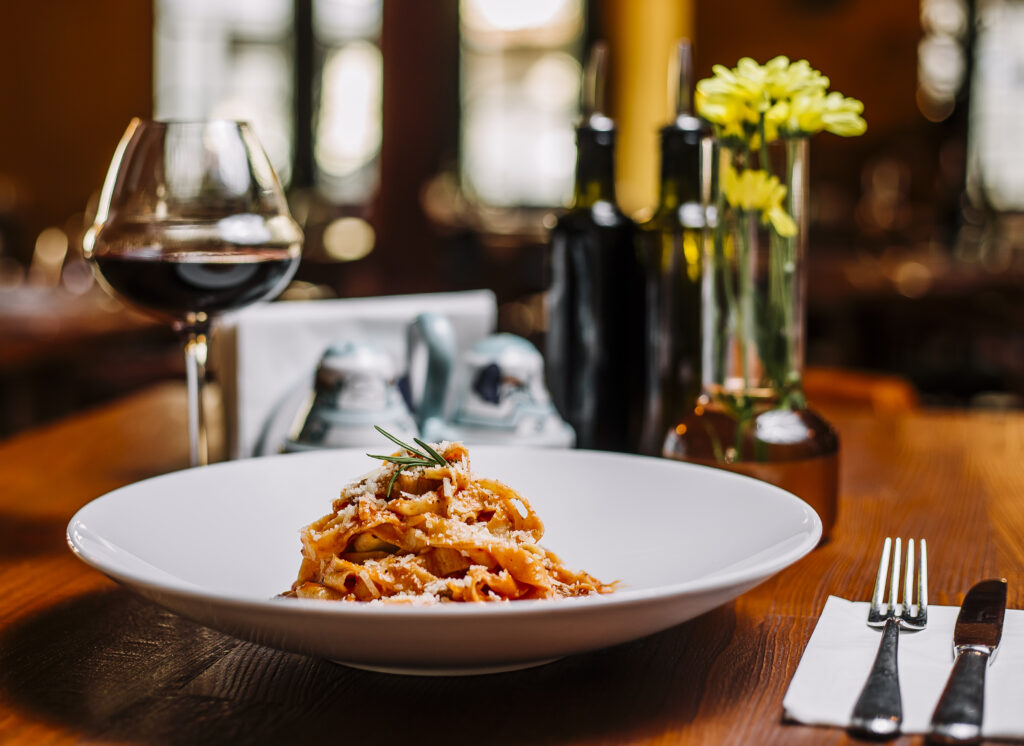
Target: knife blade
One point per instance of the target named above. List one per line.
(979, 626)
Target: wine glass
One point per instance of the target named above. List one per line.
(192, 222)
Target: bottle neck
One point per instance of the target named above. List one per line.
(680, 168)
(595, 167)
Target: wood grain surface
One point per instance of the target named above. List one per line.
(84, 661)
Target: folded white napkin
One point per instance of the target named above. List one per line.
(266, 355)
(842, 649)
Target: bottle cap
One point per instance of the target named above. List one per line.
(681, 95)
(594, 85)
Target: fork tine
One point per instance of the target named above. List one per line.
(922, 580)
(883, 568)
(894, 588)
(908, 579)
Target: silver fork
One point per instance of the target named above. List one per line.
(879, 709)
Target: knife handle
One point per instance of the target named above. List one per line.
(879, 709)
(957, 716)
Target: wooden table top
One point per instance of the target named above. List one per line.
(83, 660)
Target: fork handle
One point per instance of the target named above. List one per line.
(879, 709)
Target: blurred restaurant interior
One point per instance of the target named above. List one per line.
(426, 146)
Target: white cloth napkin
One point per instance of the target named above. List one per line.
(265, 356)
(842, 649)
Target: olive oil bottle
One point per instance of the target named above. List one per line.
(671, 247)
(594, 345)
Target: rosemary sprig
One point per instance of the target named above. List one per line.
(419, 458)
(438, 458)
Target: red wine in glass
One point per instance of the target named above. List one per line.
(192, 223)
(190, 283)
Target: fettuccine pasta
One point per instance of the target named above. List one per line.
(432, 534)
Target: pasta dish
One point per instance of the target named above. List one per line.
(423, 528)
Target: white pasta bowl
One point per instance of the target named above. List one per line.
(217, 544)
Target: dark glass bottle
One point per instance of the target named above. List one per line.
(671, 247)
(594, 346)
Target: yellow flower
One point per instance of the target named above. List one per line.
(788, 97)
(842, 116)
(787, 80)
(744, 84)
(755, 190)
(728, 114)
(752, 78)
(803, 114)
(813, 111)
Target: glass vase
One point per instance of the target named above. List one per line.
(752, 416)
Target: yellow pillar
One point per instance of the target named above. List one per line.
(642, 35)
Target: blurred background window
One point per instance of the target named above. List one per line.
(996, 149)
(219, 58)
(348, 95)
(520, 88)
(230, 60)
(309, 76)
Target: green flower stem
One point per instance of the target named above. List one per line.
(745, 321)
(790, 244)
(762, 150)
(778, 303)
(746, 292)
(791, 383)
(724, 271)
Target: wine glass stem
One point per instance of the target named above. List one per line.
(195, 375)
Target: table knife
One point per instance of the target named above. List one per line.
(958, 715)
